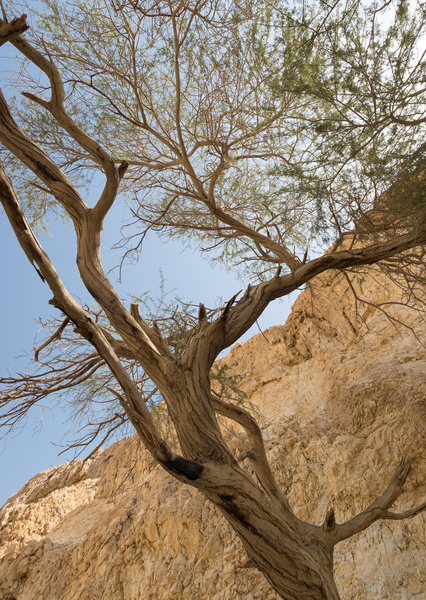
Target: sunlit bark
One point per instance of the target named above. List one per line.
(295, 557)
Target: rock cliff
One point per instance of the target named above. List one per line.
(342, 393)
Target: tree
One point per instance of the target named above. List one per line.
(258, 132)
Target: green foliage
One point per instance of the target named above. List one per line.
(363, 72)
(228, 385)
(314, 110)
(249, 128)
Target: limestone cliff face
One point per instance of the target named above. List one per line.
(342, 399)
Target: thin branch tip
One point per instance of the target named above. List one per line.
(19, 20)
(403, 468)
(35, 99)
(134, 311)
(379, 510)
(56, 335)
(13, 30)
(408, 514)
(228, 306)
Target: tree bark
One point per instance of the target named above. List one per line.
(10, 31)
(295, 557)
(289, 553)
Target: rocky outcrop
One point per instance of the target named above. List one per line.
(342, 394)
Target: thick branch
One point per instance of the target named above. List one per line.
(10, 31)
(119, 346)
(154, 334)
(132, 402)
(36, 160)
(56, 106)
(134, 334)
(280, 251)
(379, 509)
(64, 301)
(219, 335)
(256, 454)
(87, 224)
(88, 227)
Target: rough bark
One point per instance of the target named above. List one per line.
(11, 31)
(295, 557)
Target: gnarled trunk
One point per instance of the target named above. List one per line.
(295, 557)
(289, 553)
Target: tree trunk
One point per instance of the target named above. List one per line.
(290, 554)
(294, 556)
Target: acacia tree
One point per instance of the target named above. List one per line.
(262, 133)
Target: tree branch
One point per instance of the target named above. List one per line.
(256, 454)
(36, 160)
(280, 251)
(56, 335)
(56, 106)
(379, 509)
(247, 310)
(10, 31)
(64, 301)
(153, 334)
(88, 224)
(21, 393)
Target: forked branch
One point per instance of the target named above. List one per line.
(378, 510)
(256, 453)
(83, 321)
(56, 106)
(245, 312)
(55, 336)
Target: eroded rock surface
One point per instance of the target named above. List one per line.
(342, 400)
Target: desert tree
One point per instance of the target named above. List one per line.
(284, 141)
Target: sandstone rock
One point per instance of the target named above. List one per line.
(342, 399)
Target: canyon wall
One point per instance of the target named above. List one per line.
(341, 393)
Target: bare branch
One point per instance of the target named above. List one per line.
(202, 316)
(54, 336)
(408, 514)
(154, 334)
(330, 521)
(256, 453)
(10, 31)
(280, 251)
(379, 509)
(247, 310)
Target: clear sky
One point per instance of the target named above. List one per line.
(24, 298)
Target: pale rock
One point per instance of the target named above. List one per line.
(342, 399)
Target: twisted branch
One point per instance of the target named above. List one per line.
(378, 510)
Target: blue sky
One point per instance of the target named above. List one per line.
(25, 297)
